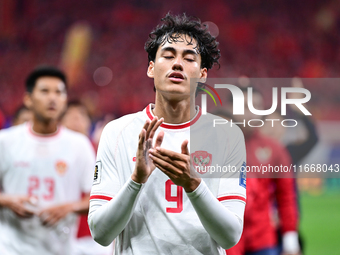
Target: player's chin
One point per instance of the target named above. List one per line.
(52, 116)
(180, 87)
(177, 93)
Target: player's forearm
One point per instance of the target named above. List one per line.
(287, 203)
(288, 212)
(108, 221)
(221, 224)
(7, 200)
(3, 200)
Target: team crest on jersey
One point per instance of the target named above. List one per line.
(243, 173)
(61, 167)
(200, 160)
(97, 172)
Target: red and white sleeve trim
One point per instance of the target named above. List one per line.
(100, 197)
(224, 198)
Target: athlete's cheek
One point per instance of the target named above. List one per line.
(63, 96)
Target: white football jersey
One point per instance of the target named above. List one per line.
(55, 169)
(164, 220)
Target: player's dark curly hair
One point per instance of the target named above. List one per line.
(171, 29)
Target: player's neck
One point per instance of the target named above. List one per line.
(174, 112)
(44, 127)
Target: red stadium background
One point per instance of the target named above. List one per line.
(99, 44)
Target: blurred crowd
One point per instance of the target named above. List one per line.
(257, 39)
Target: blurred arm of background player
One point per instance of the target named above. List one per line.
(18, 204)
(285, 194)
(301, 148)
(23, 207)
(305, 141)
(53, 214)
(288, 214)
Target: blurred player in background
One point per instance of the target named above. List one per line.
(44, 169)
(77, 118)
(259, 235)
(144, 193)
(22, 115)
(303, 144)
(99, 127)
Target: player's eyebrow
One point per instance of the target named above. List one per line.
(172, 49)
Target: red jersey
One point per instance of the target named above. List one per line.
(259, 229)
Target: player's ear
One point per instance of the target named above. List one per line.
(28, 100)
(204, 74)
(150, 72)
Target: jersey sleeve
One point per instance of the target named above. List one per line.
(111, 202)
(106, 182)
(233, 183)
(287, 204)
(286, 194)
(223, 222)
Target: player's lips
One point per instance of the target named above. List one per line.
(52, 108)
(176, 77)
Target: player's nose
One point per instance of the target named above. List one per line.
(177, 64)
(53, 97)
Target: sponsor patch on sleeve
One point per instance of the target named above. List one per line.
(97, 172)
(243, 172)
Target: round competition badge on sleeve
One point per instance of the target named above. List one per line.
(97, 172)
(243, 174)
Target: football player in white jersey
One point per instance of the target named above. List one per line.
(146, 194)
(44, 168)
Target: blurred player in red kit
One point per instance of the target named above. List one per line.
(259, 236)
(44, 169)
(145, 194)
